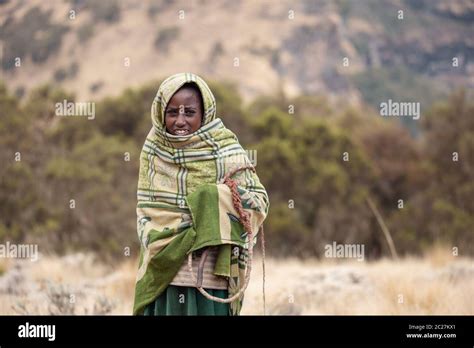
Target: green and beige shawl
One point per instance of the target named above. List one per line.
(182, 206)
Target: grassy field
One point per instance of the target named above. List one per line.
(438, 283)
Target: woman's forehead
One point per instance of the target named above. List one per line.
(186, 95)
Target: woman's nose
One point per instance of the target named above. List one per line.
(181, 120)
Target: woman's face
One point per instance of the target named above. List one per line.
(183, 114)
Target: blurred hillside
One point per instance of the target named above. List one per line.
(106, 46)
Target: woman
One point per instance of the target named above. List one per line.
(184, 208)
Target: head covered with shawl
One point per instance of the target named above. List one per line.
(182, 204)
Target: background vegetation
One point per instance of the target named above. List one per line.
(316, 196)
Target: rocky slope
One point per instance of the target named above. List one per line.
(98, 48)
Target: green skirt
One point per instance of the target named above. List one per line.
(181, 300)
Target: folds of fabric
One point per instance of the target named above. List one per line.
(178, 300)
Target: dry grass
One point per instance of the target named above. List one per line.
(438, 283)
(75, 284)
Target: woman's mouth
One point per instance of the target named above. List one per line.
(181, 132)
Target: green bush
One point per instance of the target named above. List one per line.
(165, 37)
(33, 35)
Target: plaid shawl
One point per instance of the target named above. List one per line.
(183, 207)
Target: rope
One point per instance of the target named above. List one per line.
(245, 220)
(263, 268)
